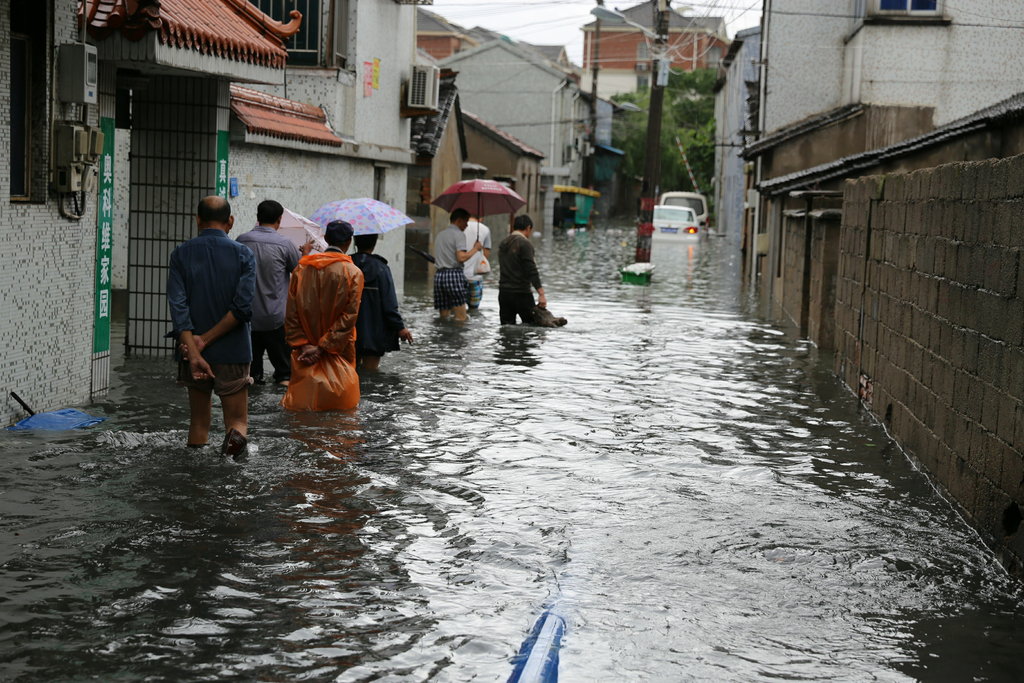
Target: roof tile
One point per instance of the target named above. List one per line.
(278, 117)
(232, 29)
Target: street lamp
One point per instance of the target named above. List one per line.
(652, 149)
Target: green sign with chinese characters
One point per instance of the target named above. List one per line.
(104, 238)
(221, 188)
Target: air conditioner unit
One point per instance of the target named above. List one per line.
(643, 66)
(424, 87)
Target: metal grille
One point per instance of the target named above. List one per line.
(173, 163)
(304, 46)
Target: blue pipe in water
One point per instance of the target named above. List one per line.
(537, 661)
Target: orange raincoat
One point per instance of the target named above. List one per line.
(323, 305)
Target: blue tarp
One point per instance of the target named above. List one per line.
(57, 420)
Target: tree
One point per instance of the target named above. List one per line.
(688, 115)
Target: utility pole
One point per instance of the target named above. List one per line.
(652, 151)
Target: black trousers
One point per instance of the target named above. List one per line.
(272, 342)
(511, 304)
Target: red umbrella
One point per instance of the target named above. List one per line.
(485, 197)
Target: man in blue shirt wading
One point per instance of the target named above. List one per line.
(276, 258)
(210, 287)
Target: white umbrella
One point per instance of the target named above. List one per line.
(300, 230)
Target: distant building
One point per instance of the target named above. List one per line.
(735, 123)
(440, 38)
(537, 102)
(875, 73)
(507, 159)
(623, 53)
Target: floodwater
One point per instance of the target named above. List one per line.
(687, 485)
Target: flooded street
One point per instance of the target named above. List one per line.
(687, 485)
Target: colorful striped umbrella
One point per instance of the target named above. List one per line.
(367, 216)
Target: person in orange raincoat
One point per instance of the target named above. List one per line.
(320, 326)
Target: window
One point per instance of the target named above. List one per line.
(642, 53)
(909, 6)
(339, 36)
(379, 174)
(642, 82)
(21, 115)
(307, 47)
(29, 139)
(714, 57)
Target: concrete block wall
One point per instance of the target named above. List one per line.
(930, 328)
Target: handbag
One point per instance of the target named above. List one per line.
(482, 266)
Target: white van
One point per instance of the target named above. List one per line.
(691, 200)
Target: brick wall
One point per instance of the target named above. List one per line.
(438, 47)
(929, 325)
(619, 49)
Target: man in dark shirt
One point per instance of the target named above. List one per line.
(518, 275)
(210, 287)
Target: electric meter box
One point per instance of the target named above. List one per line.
(79, 73)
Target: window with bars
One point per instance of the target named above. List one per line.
(313, 46)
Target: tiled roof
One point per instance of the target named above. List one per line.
(507, 139)
(427, 21)
(1007, 111)
(277, 117)
(232, 29)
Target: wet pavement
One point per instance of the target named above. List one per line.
(686, 484)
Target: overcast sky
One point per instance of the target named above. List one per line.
(558, 22)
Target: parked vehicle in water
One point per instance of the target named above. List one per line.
(691, 200)
(675, 224)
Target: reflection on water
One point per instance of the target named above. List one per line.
(689, 486)
(518, 345)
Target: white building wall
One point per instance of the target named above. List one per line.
(522, 99)
(47, 279)
(119, 267)
(957, 68)
(303, 181)
(730, 121)
(610, 82)
(803, 54)
(817, 60)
